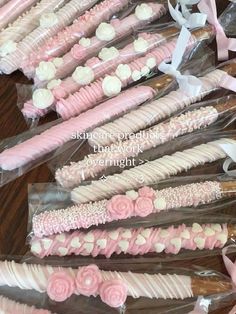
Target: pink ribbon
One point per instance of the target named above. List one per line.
(224, 44)
(233, 311)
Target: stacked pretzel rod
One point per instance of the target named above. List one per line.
(188, 122)
(52, 138)
(96, 63)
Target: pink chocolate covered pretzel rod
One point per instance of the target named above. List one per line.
(54, 137)
(38, 37)
(27, 22)
(142, 203)
(8, 306)
(111, 85)
(105, 33)
(82, 27)
(94, 164)
(62, 89)
(12, 9)
(2, 2)
(133, 241)
(113, 287)
(151, 172)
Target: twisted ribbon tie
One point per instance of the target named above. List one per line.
(229, 265)
(184, 17)
(224, 44)
(189, 84)
(230, 150)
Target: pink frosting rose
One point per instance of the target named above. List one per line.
(113, 292)
(146, 191)
(78, 52)
(143, 206)
(88, 280)
(120, 207)
(60, 286)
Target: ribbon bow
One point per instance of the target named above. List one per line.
(229, 265)
(186, 18)
(187, 83)
(224, 44)
(230, 150)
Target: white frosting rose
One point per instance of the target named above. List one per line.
(46, 71)
(85, 42)
(151, 63)
(8, 47)
(53, 84)
(140, 45)
(48, 20)
(105, 32)
(136, 75)
(83, 75)
(123, 71)
(107, 54)
(143, 12)
(58, 62)
(43, 98)
(111, 86)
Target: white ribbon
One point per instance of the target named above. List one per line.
(189, 84)
(186, 18)
(230, 150)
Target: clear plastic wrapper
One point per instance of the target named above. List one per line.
(89, 47)
(111, 85)
(175, 157)
(229, 15)
(42, 144)
(83, 27)
(26, 23)
(111, 287)
(51, 209)
(218, 113)
(39, 36)
(12, 9)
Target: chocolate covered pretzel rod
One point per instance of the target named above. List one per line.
(12, 9)
(189, 122)
(153, 112)
(56, 136)
(140, 204)
(41, 34)
(93, 70)
(151, 172)
(112, 84)
(112, 286)
(134, 241)
(27, 22)
(117, 29)
(82, 27)
(8, 306)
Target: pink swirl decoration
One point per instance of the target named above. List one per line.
(113, 293)
(120, 207)
(60, 286)
(143, 206)
(88, 280)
